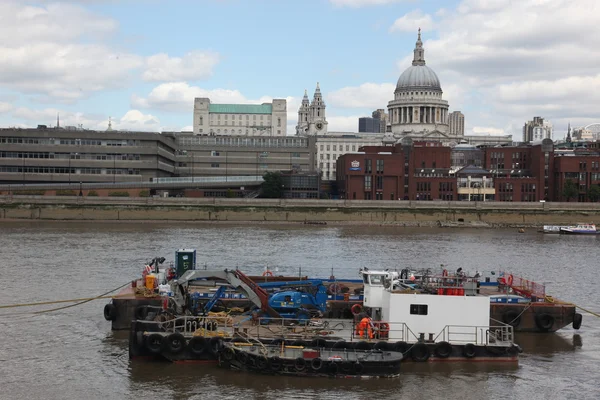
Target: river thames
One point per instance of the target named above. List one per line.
(73, 354)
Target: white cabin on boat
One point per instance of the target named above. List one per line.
(413, 316)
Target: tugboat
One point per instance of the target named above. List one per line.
(309, 361)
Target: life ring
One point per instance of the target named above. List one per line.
(509, 281)
(512, 318)
(175, 342)
(469, 350)
(197, 345)
(544, 321)
(445, 272)
(316, 364)
(577, 319)
(420, 352)
(275, 363)
(443, 350)
(154, 343)
(356, 309)
(384, 330)
(300, 364)
(267, 273)
(110, 312)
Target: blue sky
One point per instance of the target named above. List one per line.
(142, 62)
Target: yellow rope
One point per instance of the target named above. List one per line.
(551, 300)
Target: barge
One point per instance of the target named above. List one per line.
(521, 303)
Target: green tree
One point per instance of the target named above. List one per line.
(594, 193)
(570, 189)
(272, 187)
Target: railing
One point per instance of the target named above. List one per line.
(521, 286)
(478, 335)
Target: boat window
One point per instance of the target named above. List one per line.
(376, 279)
(418, 309)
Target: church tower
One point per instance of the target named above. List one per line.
(303, 111)
(317, 121)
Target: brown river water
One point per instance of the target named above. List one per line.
(73, 354)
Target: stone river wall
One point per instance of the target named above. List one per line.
(318, 212)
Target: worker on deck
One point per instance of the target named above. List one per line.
(365, 327)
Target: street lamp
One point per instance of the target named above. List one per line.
(114, 168)
(80, 191)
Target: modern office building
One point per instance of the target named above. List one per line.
(68, 156)
(383, 118)
(266, 119)
(537, 129)
(456, 123)
(369, 125)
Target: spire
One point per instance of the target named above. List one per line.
(419, 52)
(317, 90)
(57, 120)
(569, 133)
(109, 125)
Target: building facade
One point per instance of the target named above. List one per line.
(70, 156)
(456, 123)
(311, 115)
(418, 108)
(242, 155)
(537, 129)
(383, 118)
(369, 125)
(330, 147)
(267, 119)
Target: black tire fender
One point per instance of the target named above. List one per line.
(512, 318)
(110, 312)
(275, 363)
(228, 353)
(544, 321)
(469, 350)
(333, 367)
(381, 346)
(363, 346)
(358, 368)
(401, 347)
(420, 352)
(443, 349)
(141, 312)
(214, 345)
(316, 364)
(577, 319)
(175, 342)
(300, 364)
(154, 343)
(197, 345)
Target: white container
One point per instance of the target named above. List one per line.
(164, 289)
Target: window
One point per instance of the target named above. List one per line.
(321, 148)
(368, 166)
(418, 309)
(379, 166)
(368, 182)
(334, 147)
(278, 121)
(379, 181)
(201, 121)
(328, 148)
(214, 165)
(214, 153)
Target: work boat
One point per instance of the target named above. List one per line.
(437, 327)
(580, 229)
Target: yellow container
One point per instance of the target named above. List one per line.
(150, 281)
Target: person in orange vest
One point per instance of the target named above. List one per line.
(365, 325)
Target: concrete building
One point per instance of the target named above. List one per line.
(535, 130)
(456, 123)
(383, 118)
(418, 109)
(267, 119)
(69, 156)
(369, 125)
(311, 116)
(241, 155)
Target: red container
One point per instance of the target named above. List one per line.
(440, 291)
(134, 283)
(310, 354)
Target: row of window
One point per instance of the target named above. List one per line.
(235, 141)
(65, 156)
(69, 142)
(66, 170)
(328, 147)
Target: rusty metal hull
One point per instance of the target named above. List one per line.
(534, 317)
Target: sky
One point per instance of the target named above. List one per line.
(142, 62)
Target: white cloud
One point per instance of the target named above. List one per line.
(412, 21)
(343, 124)
(5, 107)
(179, 96)
(362, 3)
(513, 60)
(482, 130)
(133, 120)
(193, 65)
(367, 95)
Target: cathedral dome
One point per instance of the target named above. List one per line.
(418, 77)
